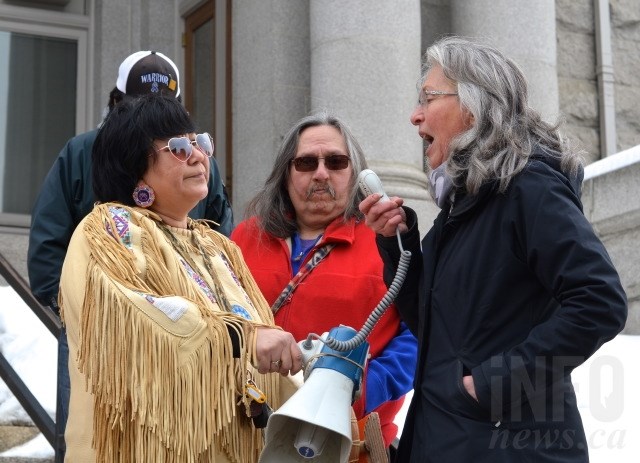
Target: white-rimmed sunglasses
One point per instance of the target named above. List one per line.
(182, 147)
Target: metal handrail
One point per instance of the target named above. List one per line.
(13, 381)
(20, 286)
(30, 404)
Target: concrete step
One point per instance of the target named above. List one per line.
(13, 436)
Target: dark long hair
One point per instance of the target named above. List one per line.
(124, 145)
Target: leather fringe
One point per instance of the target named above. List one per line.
(148, 407)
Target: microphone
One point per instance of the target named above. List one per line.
(370, 183)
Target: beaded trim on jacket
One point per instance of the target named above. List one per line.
(147, 407)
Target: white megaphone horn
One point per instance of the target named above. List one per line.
(314, 425)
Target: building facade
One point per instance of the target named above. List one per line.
(250, 68)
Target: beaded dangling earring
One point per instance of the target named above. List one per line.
(143, 195)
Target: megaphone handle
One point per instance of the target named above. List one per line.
(262, 415)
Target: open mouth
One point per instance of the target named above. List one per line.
(426, 143)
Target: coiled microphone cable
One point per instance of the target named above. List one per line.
(383, 305)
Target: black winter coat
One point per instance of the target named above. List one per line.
(517, 290)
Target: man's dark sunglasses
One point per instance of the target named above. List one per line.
(310, 163)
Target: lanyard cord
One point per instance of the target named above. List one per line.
(317, 257)
(183, 252)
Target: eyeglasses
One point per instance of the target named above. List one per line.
(310, 163)
(182, 147)
(423, 96)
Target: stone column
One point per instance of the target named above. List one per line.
(270, 86)
(611, 200)
(365, 63)
(526, 32)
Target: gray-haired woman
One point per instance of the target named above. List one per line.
(511, 289)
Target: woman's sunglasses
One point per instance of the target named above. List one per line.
(310, 163)
(182, 147)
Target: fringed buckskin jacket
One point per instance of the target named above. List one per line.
(161, 342)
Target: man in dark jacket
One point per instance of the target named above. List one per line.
(66, 197)
(511, 289)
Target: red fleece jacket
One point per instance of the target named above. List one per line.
(342, 290)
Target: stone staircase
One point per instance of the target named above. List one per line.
(12, 436)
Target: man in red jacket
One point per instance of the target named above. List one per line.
(308, 212)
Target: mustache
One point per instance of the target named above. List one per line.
(328, 188)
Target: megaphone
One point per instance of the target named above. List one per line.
(314, 425)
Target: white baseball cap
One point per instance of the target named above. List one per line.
(146, 72)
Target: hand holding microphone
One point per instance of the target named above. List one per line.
(370, 183)
(382, 214)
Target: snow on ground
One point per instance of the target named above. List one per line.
(32, 351)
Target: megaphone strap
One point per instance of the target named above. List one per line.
(315, 357)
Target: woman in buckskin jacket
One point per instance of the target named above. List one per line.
(166, 327)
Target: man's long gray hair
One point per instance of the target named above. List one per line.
(272, 204)
(506, 129)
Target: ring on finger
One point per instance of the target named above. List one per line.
(277, 363)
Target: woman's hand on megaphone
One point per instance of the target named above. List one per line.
(277, 352)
